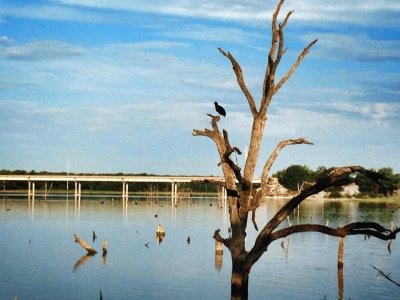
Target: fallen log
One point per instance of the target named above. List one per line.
(84, 245)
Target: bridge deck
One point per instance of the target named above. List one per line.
(112, 178)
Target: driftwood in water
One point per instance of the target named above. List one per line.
(84, 245)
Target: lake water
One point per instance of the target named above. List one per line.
(40, 260)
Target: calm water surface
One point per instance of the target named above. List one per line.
(40, 260)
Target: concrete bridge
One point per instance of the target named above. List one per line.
(125, 181)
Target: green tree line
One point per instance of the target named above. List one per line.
(296, 176)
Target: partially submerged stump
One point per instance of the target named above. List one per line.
(219, 247)
(84, 245)
(160, 232)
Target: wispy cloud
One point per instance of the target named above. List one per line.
(356, 11)
(345, 46)
(215, 33)
(40, 50)
(52, 12)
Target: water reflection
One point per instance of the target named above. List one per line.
(176, 265)
(81, 261)
(218, 261)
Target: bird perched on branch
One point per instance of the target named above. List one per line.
(220, 109)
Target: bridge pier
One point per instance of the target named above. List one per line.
(174, 193)
(77, 194)
(31, 191)
(125, 192)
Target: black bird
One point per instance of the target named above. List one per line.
(220, 109)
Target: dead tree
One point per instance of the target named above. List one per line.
(243, 199)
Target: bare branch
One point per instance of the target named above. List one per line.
(235, 168)
(281, 50)
(357, 228)
(293, 68)
(239, 77)
(335, 178)
(253, 218)
(275, 153)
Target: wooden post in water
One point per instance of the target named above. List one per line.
(340, 269)
(104, 247)
(219, 250)
(219, 247)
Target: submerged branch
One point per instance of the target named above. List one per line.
(386, 276)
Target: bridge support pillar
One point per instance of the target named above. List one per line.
(174, 193)
(125, 192)
(77, 194)
(31, 191)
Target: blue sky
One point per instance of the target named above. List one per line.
(118, 86)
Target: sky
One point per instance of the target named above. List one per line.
(103, 86)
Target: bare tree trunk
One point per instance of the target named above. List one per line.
(239, 281)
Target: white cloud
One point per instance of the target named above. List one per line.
(381, 113)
